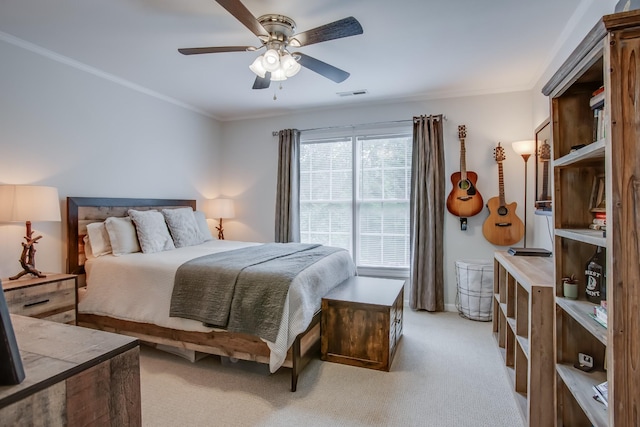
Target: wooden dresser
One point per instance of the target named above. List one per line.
(362, 322)
(74, 377)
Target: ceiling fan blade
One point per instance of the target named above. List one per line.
(242, 14)
(322, 68)
(335, 30)
(262, 83)
(199, 50)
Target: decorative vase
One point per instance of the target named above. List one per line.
(570, 287)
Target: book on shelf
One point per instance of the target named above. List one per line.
(598, 223)
(598, 124)
(600, 322)
(599, 314)
(529, 252)
(601, 393)
(599, 111)
(597, 101)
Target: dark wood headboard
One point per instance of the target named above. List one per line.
(84, 210)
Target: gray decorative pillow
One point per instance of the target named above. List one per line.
(122, 235)
(153, 234)
(183, 227)
(203, 225)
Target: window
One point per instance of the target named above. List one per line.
(354, 194)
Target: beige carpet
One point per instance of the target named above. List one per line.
(447, 372)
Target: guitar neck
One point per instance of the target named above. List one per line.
(545, 181)
(501, 184)
(463, 160)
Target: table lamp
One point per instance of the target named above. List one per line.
(221, 208)
(29, 203)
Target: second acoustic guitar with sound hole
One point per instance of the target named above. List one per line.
(464, 199)
(502, 227)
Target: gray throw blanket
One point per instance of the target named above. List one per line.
(242, 290)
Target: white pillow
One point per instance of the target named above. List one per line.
(183, 227)
(122, 235)
(153, 233)
(88, 253)
(201, 219)
(99, 242)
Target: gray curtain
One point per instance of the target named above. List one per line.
(427, 215)
(288, 187)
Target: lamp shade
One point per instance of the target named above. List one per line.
(278, 75)
(257, 67)
(271, 60)
(29, 203)
(221, 208)
(524, 147)
(289, 65)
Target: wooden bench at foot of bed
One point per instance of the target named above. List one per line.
(221, 343)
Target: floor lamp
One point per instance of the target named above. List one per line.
(525, 149)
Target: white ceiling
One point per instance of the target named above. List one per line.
(410, 48)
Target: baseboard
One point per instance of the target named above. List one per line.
(450, 307)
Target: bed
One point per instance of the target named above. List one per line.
(131, 294)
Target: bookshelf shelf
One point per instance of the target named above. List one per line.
(584, 235)
(579, 310)
(586, 154)
(580, 385)
(524, 345)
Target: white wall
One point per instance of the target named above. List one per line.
(88, 136)
(250, 162)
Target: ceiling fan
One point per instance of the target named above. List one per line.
(277, 34)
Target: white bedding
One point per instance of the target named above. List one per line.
(138, 287)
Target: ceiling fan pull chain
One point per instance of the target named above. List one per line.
(275, 97)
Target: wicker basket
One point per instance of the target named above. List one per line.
(475, 289)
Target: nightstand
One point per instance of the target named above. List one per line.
(52, 298)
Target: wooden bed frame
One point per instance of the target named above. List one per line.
(83, 210)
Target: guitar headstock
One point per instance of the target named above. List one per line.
(545, 151)
(498, 153)
(462, 132)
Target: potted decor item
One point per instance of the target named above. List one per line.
(570, 287)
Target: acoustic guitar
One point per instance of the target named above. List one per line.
(464, 200)
(502, 227)
(544, 153)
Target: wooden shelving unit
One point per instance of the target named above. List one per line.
(608, 57)
(523, 320)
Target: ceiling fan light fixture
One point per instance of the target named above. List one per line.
(289, 65)
(271, 60)
(278, 75)
(257, 67)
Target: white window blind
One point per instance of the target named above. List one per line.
(370, 218)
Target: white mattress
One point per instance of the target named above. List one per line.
(138, 287)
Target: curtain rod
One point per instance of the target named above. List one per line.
(275, 132)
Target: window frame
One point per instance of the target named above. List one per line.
(356, 134)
